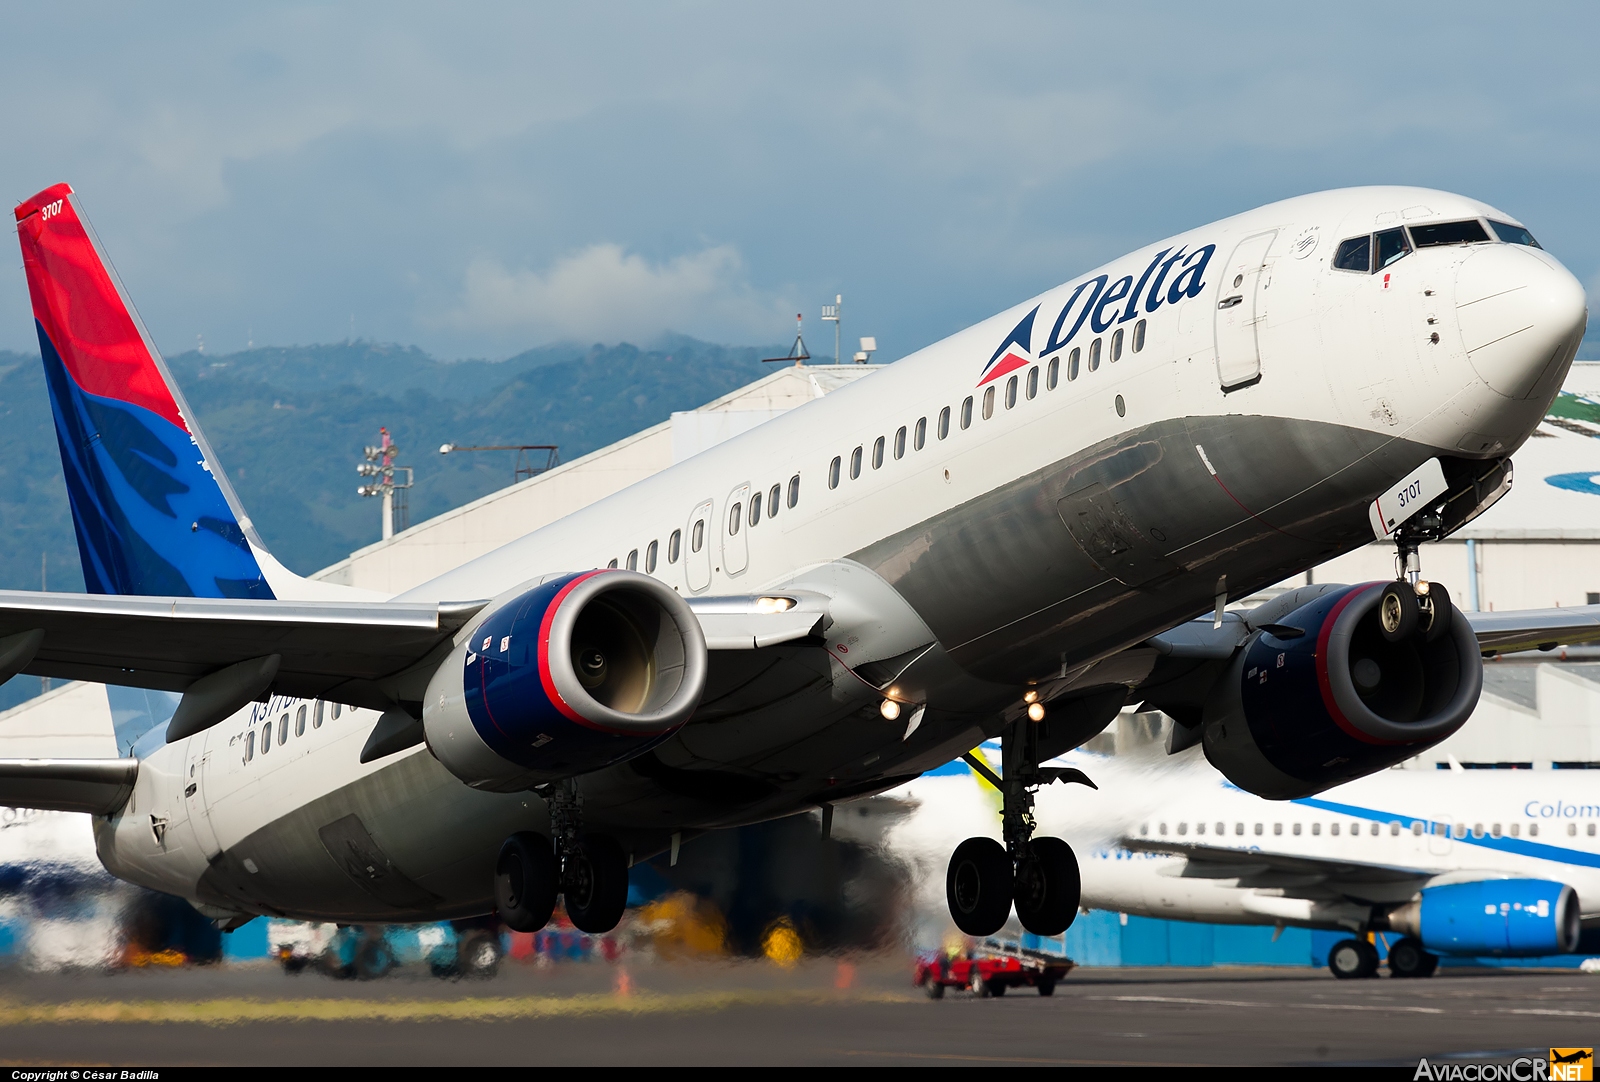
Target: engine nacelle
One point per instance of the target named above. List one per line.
(1493, 917)
(1296, 714)
(580, 672)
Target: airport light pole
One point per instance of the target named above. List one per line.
(380, 464)
(831, 314)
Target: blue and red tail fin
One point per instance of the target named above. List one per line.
(153, 513)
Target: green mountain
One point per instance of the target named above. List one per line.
(288, 424)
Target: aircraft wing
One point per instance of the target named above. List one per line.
(96, 786)
(1530, 629)
(1296, 874)
(340, 650)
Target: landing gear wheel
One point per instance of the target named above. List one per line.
(1436, 612)
(1047, 887)
(1408, 959)
(1397, 612)
(525, 879)
(978, 886)
(1353, 959)
(596, 890)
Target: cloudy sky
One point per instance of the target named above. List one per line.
(477, 179)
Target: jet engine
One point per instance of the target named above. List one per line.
(1506, 917)
(580, 672)
(1322, 696)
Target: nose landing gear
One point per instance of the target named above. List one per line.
(590, 871)
(1039, 875)
(1411, 606)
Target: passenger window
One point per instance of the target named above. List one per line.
(855, 463)
(774, 501)
(1295, 829)
(1277, 828)
(1011, 393)
(1138, 336)
(1572, 831)
(1494, 831)
(1431, 236)
(966, 413)
(1394, 829)
(1392, 245)
(1144, 829)
(1199, 828)
(650, 556)
(1533, 830)
(1052, 374)
(1416, 829)
(1354, 254)
(1513, 234)
(1222, 828)
(613, 562)
(1333, 830)
(755, 509)
(988, 402)
(316, 716)
(250, 746)
(266, 738)
(833, 472)
(1316, 828)
(1261, 828)
(1183, 828)
(633, 560)
(1094, 355)
(283, 728)
(697, 539)
(334, 713)
(735, 516)
(877, 453)
(944, 422)
(900, 443)
(300, 722)
(1238, 828)
(1072, 363)
(921, 436)
(1033, 381)
(1116, 345)
(1590, 830)
(1162, 829)
(674, 543)
(794, 490)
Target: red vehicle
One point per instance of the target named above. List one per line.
(990, 968)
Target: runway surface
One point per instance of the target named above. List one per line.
(822, 1012)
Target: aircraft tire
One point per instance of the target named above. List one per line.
(1408, 959)
(1439, 613)
(525, 882)
(1353, 959)
(1398, 612)
(977, 886)
(1048, 887)
(596, 892)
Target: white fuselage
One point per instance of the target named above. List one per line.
(1347, 352)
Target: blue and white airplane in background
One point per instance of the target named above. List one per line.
(1502, 864)
(1005, 534)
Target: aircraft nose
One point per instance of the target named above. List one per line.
(1520, 313)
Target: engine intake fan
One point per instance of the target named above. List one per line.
(576, 674)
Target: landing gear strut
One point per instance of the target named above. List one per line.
(589, 870)
(1039, 875)
(1412, 607)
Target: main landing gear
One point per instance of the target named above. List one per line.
(1037, 875)
(1357, 959)
(589, 870)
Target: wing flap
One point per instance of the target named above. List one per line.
(96, 786)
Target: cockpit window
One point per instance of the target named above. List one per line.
(1354, 254)
(1513, 234)
(1391, 244)
(1468, 232)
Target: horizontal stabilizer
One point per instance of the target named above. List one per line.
(96, 786)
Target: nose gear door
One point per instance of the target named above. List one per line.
(1241, 306)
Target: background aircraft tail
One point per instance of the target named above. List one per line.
(153, 511)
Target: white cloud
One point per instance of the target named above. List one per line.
(605, 293)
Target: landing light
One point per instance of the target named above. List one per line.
(889, 709)
(774, 604)
(1036, 712)
(1031, 697)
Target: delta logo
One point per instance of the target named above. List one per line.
(1105, 304)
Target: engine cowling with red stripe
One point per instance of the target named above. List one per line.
(1296, 714)
(580, 672)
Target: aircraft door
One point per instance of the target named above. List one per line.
(697, 541)
(1240, 308)
(194, 791)
(735, 538)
